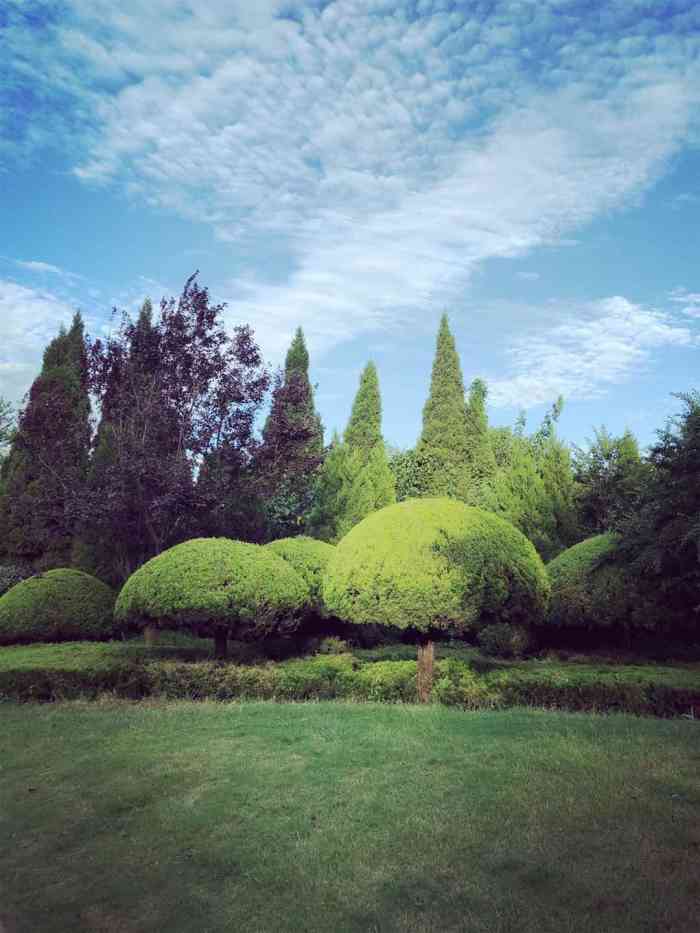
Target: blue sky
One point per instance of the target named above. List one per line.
(358, 166)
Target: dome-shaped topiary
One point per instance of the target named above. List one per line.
(309, 558)
(590, 589)
(215, 586)
(429, 564)
(59, 605)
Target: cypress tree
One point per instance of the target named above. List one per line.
(364, 430)
(482, 461)
(330, 493)
(45, 471)
(292, 445)
(442, 453)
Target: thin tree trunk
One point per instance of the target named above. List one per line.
(150, 635)
(426, 659)
(220, 643)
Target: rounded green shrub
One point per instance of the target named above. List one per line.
(309, 558)
(590, 589)
(429, 564)
(215, 585)
(59, 605)
(503, 640)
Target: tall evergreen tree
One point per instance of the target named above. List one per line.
(442, 453)
(355, 478)
(482, 461)
(45, 471)
(292, 446)
(364, 430)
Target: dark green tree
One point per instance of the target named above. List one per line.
(44, 473)
(364, 430)
(291, 451)
(481, 458)
(442, 454)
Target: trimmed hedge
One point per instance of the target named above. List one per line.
(211, 585)
(59, 605)
(84, 670)
(430, 564)
(309, 558)
(590, 590)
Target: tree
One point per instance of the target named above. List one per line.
(442, 454)
(44, 473)
(611, 474)
(172, 391)
(481, 458)
(292, 446)
(661, 534)
(355, 479)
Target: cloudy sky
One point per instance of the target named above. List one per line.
(357, 167)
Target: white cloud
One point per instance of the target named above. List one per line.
(29, 319)
(596, 346)
(529, 276)
(46, 268)
(689, 300)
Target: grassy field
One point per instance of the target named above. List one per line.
(126, 817)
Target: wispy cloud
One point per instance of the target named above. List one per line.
(689, 300)
(597, 345)
(529, 276)
(46, 268)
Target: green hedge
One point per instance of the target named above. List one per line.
(58, 605)
(127, 672)
(428, 564)
(215, 583)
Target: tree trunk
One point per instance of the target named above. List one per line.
(426, 659)
(150, 635)
(220, 644)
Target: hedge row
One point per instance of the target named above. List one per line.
(344, 677)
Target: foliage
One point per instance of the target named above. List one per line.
(364, 429)
(13, 573)
(330, 493)
(292, 446)
(611, 476)
(592, 589)
(502, 640)
(442, 454)
(46, 466)
(661, 535)
(171, 391)
(372, 487)
(403, 464)
(482, 461)
(57, 605)
(309, 559)
(215, 585)
(430, 564)
(7, 426)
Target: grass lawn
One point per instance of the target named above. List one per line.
(126, 817)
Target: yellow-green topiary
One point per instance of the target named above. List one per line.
(590, 589)
(309, 558)
(431, 564)
(59, 605)
(216, 587)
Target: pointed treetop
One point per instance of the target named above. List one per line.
(444, 413)
(364, 428)
(297, 356)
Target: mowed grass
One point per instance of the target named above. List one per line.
(203, 817)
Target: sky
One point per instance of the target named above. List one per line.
(357, 168)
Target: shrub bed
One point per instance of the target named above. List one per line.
(70, 671)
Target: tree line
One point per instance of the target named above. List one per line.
(176, 453)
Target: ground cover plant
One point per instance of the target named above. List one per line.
(322, 817)
(186, 669)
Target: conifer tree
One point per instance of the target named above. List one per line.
(44, 472)
(330, 493)
(482, 461)
(364, 430)
(292, 446)
(442, 453)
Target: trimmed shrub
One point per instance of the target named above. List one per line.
(12, 574)
(503, 640)
(59, 605)
(309, 558)
(591, 590)
(436, 564)
(215, 587)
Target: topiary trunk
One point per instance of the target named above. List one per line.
(220, 644)
(150, 635)
(426, 661)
